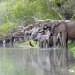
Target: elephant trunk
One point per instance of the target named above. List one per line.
(30, 44)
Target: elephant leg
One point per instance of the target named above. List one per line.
(54, 40)
(64, 39)
(64, 51)
(48, 43)
(44, 44)
(60, 38)
(40, 44)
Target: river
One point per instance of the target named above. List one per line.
(33, 61)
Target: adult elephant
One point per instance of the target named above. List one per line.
(66, 30)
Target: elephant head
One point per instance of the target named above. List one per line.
(58, 27)
(47, 25)
(55, 27)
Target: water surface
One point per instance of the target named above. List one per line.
(32, 61)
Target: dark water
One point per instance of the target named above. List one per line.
(33, 61)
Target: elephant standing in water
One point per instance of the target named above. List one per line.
(66, 30)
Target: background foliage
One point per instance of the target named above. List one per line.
(19, 12)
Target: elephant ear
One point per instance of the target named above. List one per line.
(61, 27)
(55, 23)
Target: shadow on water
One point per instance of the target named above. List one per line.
(32, 61)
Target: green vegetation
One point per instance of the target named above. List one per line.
(19, 12)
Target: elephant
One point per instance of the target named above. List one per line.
(1, 42)
(30, 34)
(55, 38)
(66, 30)
(43, 38)
(18, 36)
(8, 40)
(27, 35)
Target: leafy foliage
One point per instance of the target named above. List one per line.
(19, 12)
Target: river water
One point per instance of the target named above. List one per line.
(33, 61)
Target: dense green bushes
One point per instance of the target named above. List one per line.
(19, 12)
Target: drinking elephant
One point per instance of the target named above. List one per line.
(30, 34)
(66, 30)
(27, 35)
(43, 37)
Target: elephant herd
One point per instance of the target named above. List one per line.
(16, 36)
(8, 40)
(51, 34)
(65, 28)
(48, 34)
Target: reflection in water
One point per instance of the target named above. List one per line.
(32, 61)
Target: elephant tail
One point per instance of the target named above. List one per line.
(30, 44)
